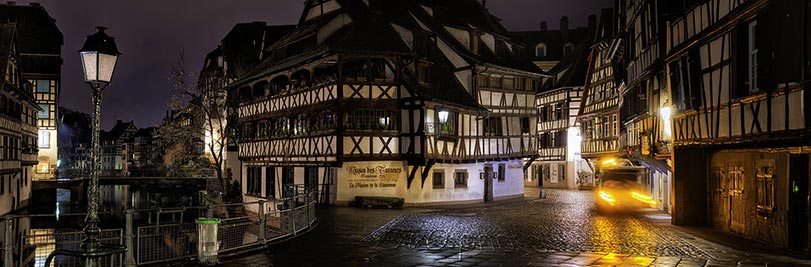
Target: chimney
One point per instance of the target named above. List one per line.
(543, 26)
(564, 28)
(592, 22)
(118, 122)
(564, 24)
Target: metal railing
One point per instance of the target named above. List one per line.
(159, 235)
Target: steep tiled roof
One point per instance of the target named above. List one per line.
(571, 71)
(37, 34)
(371, 33)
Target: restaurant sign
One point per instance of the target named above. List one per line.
(373, 176)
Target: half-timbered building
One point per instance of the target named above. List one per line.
(241, 50)
(18, 130)
(599, 111)
(645, 101)
(40, 46)
(547, 47)
(559, 161)
(741, 117)
(425, 100)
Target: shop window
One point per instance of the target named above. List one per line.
(765, 185)
(460, 179)
(288, 186)
(439, 179)
(502, 172)
(270, 182)
(562, 172)
(254, 182)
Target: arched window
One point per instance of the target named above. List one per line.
(540, 50)
(568, 48)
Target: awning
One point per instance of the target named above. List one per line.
(653, 164)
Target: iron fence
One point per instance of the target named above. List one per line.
(163, 235)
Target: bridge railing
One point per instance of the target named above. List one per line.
(154, 236)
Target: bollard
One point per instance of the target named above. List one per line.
(543, 192)
(129, 256)
(262, 220)
(207, 244)
(7, 242)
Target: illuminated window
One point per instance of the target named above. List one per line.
(45, 111)
(44, 140)
(43, 86)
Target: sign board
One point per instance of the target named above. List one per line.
(373, 175)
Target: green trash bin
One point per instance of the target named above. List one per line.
(207, 244)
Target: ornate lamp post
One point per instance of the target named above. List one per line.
(99, 57)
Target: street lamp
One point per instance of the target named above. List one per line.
(99, 57)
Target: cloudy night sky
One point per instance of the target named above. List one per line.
(152, 33)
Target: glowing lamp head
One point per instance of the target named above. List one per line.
(443, 116)
(665, 112)
(99, 57)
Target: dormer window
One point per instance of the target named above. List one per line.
(540, 50)
(568, 48)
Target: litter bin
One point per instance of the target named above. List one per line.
(207, 244)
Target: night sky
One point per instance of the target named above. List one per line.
(152, 33)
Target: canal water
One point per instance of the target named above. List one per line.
(62, 229)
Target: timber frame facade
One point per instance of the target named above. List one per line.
(438, 109)
(646, 101)
(741, 117)
(599, 112)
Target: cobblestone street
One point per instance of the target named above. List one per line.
(562, 230)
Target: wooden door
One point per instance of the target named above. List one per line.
(488, 183)
(798, 203)
(737, 195)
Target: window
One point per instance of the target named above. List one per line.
(439, 179)
(44, 140)
(448, 127)
(367, 119)
(422, 73)
(525, 125)
(753, 88)
(509, 83)
(567, 48)
(765, 184)
(2, 184)
(270, 182)
(45, 111)
(502, 172)
(254, 181)
(562, 172)
(288, 187)
(460, 178)
(540, 50)
(492, 127)
(43, 86)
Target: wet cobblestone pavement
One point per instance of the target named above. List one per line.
(562, 230)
